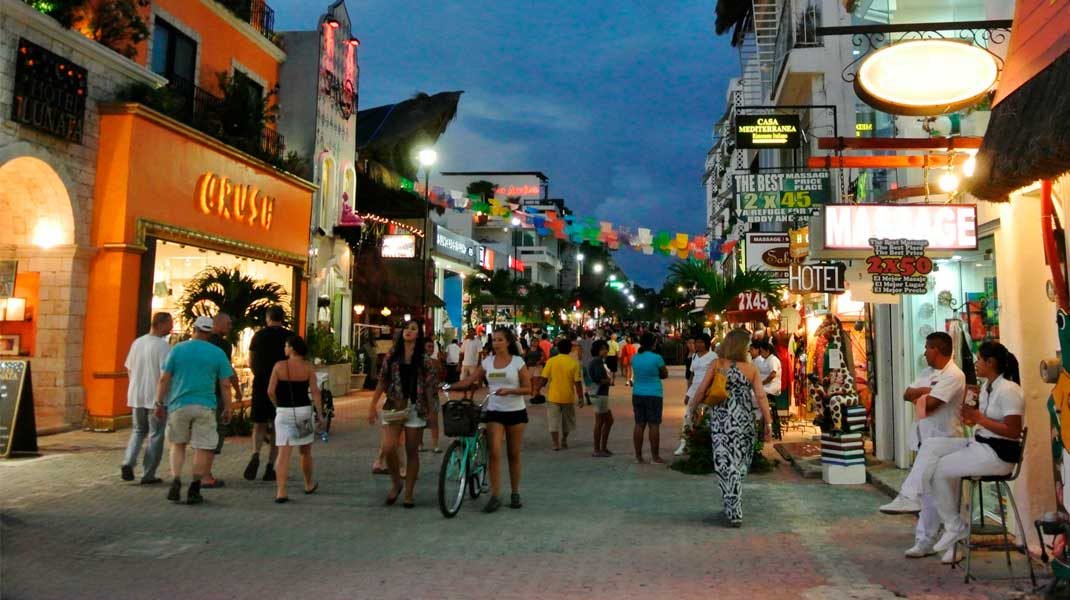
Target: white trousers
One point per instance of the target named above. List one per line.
(936, 479)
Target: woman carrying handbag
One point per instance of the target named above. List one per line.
(410, 383)
(292, 381)
(730, 414)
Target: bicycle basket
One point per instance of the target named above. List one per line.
(460, 418)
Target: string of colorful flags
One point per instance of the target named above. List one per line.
(582, 229)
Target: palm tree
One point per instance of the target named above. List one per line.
(218, 289)
(499, 288)
(722, 291)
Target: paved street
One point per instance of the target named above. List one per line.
(590, 528)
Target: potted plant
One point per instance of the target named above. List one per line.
(329, 358)
(358, 373)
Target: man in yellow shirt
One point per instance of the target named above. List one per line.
(563, 377)
(611, 358)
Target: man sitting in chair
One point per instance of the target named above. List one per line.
(994, 449)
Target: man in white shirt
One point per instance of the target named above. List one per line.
(770, 370)
(700, 364)
(143, 365)
(937, 396)
(470, 353)
(453, 361)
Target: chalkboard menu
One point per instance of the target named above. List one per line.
(50, 92)
(18, 429)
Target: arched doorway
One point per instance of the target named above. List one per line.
(38, 230)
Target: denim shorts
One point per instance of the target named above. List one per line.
(647, 409)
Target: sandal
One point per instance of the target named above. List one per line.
(492, 505)
(314, 488)
(380, 471)
(214, 484)
(392, 500)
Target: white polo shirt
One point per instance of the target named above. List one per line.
(471, 349)
(1005, 399)
(949, 386)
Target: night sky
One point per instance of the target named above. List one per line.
(615, 105)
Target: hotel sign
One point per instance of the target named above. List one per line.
(50, 92)
(775, 197)
(946, 227)
(818, 278)
(767, 131)
(231, 201)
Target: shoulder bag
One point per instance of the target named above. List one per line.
(305, 427)
(717, 392)
(393, 417)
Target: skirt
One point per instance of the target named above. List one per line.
(286, 426)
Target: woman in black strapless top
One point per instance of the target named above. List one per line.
(293, 381)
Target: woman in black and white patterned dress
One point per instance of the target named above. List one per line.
(732, 421)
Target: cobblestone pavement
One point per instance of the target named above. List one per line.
(590, 528)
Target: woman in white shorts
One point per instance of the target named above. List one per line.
(292, 382)
(410, 383)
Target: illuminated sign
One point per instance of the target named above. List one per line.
(512, 191)
(516, 264)
(455, 246)
(944, 226)
(752, 301)
(216, 195)
(49, 92)
(486, 258)
(340, 91)
(820, 278)
(398, 245)
(767, 131)
(772, 197)
(799, 242)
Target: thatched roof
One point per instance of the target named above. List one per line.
(1027, 136)
(391, 134)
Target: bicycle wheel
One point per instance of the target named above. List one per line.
(477, 480)
(452, 479)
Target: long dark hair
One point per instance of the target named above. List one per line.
(510, 340)
(397, 353)
(646, 342)
(1006, 363)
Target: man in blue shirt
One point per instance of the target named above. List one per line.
(194, 370)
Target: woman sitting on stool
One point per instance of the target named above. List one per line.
(994, 449)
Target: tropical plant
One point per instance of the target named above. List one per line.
(323, 348)
(485, 189)
(118, 25)
(218, 289)
(245, 111)
(721, 290)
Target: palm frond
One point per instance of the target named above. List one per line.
(720, 290)
(218, 289)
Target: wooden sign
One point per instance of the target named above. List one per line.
(18, 429)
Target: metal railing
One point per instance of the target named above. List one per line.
(203, 110)
(254, 12)
(796, 28)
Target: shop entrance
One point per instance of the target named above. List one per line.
(43, 320)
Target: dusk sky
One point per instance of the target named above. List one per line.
(616, 105)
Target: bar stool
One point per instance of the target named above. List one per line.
(1002, 483)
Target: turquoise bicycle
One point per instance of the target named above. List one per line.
(464, 464)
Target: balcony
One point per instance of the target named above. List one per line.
(256, 13)
(538, 255)
(796, 28)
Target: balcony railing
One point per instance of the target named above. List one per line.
(797, 28)
(256, 13)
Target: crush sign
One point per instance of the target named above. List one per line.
(773, 197)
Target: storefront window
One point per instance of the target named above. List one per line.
(962, 297)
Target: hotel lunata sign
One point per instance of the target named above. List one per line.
(767, 131)
(246, 204)
(50, 92)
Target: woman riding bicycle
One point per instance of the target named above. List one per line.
(506, 414)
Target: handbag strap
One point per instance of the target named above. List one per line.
(290, 387)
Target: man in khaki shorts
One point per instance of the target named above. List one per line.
(186, 396)
(561, 374)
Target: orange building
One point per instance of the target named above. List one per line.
(170, 200)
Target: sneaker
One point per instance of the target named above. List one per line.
(269, 473)
(492, 505)
(919, 550)
(950, 538)
(127, 473)
(193, 494)
(680, 449)
(150, 480)
(174, 494)
(949, 557)
(901, 506)
(514, 501)
(252, 468)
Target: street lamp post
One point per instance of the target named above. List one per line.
(427, 157)
(579, 268)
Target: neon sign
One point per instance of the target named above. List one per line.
(216, 195)
(944, 226)
(518, 190)
(516, 264)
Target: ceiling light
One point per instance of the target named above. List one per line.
(969, 166)
(948, 182)
(926, 77)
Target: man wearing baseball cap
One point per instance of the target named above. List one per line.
(186, 396)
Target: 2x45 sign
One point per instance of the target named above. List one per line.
(773, 197)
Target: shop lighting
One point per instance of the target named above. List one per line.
(926, 77)
(385, 312)
(47, 234)
(580, 257)
(407, 317)
(515, 222)
(948, 182)
(354, 42)
(640, 306)
(359, 309)
(969, 166)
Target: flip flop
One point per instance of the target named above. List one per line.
(380, 471)
(216, 483)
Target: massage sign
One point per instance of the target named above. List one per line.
(777, 197)
(899, 266)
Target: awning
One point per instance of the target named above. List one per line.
(392, 282)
